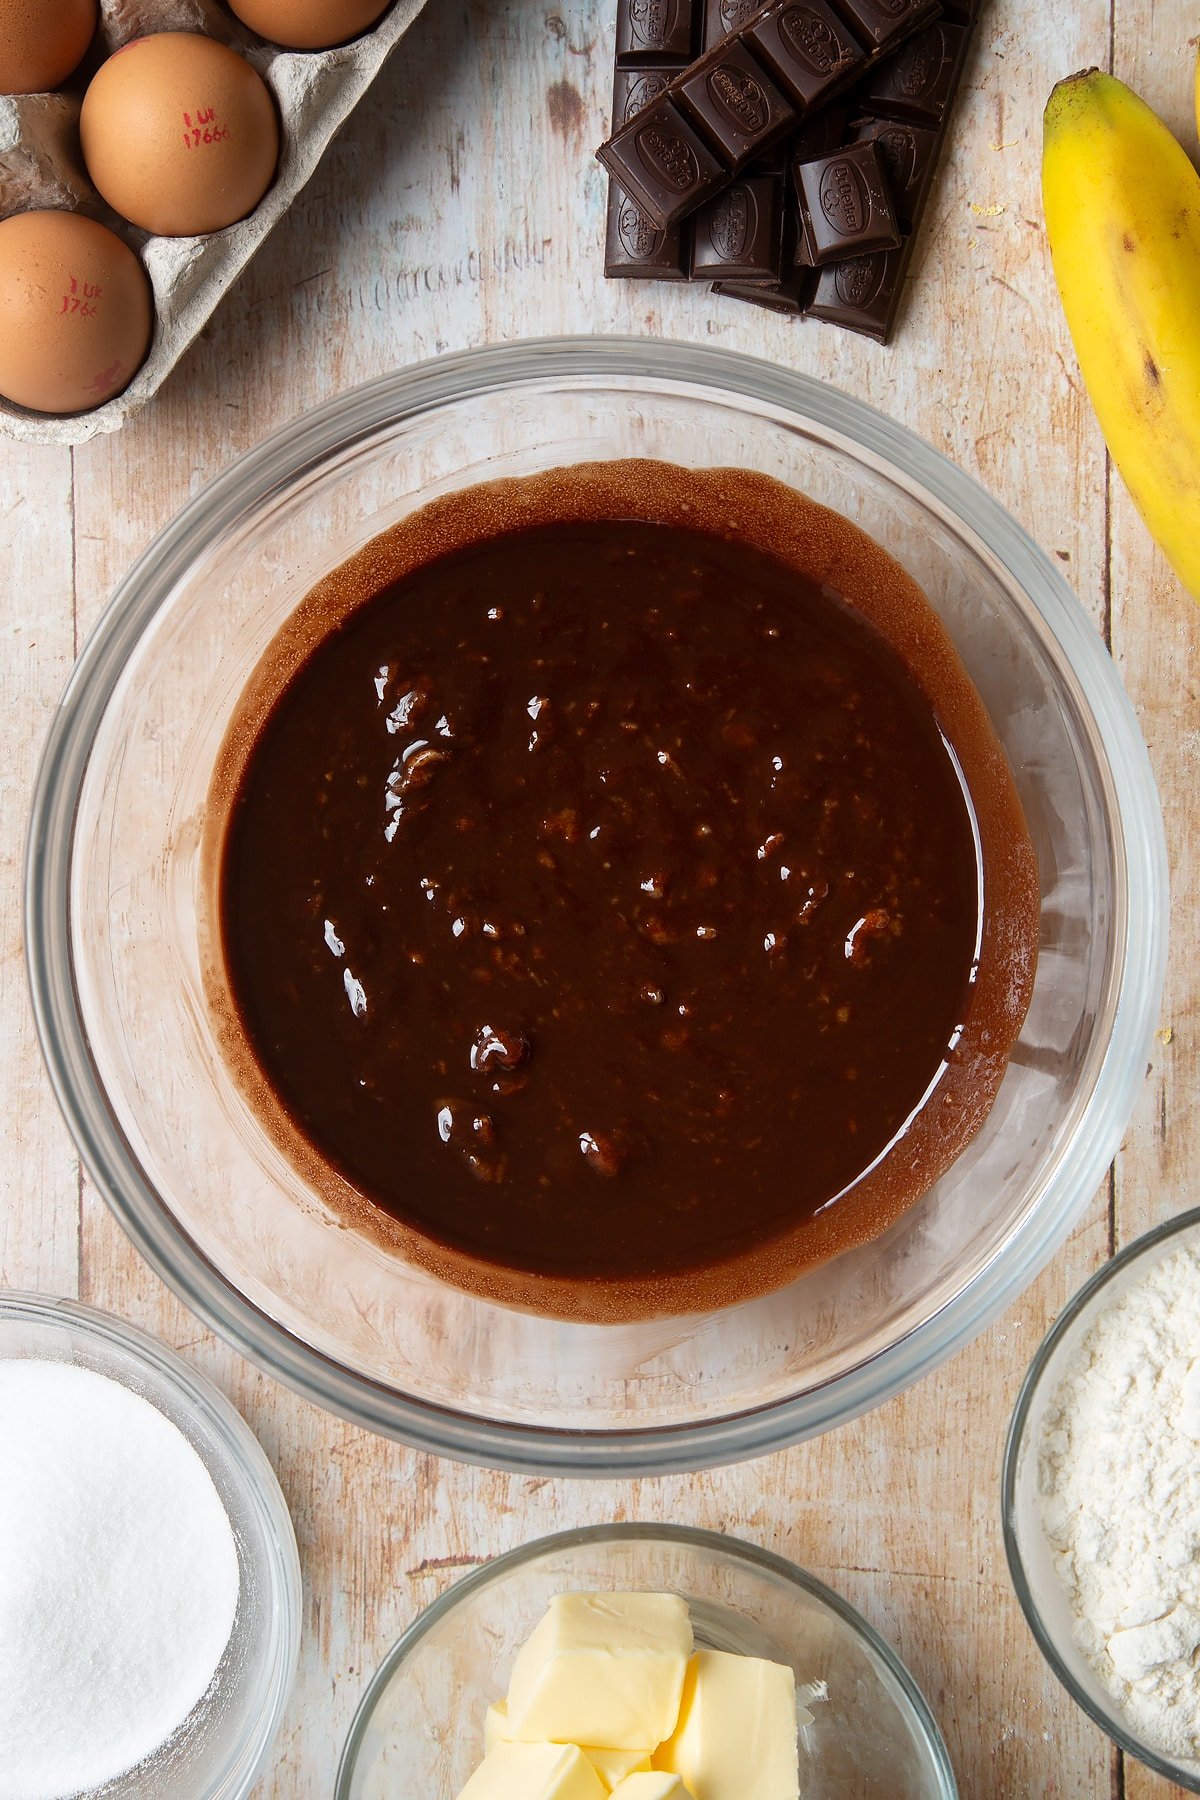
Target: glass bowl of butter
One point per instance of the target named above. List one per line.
(746, 1678)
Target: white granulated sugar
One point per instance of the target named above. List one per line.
(1119, 1478)
(118, 1579)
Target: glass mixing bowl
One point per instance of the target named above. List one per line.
(419, 1727)
(111, 905)
(1031, 1560)
(223, 1745)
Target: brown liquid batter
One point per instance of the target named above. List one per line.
(600, 893)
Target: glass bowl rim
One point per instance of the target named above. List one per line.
(332, 430)
(1061, 1330)
(698, 1538)
(254, 1476)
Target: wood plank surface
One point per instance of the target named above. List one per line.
(461, 206)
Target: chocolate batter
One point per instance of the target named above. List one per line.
(600, 890)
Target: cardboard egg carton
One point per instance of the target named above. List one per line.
(41, 166)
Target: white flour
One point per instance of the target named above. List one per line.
(1119, 1477)
(118, 1579)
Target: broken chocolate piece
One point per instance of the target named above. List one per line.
(738, 106)
(808, 49)
(659, 161)
(845, 207)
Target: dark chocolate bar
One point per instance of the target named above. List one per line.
(752, 87)
(903, 72)
(865, 293)
(845, 208)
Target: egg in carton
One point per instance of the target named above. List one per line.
(41, 166)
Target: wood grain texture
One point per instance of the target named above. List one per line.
(460, 206)
(38, 1172)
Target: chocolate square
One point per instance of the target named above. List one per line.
(807, 48)
(659, 161)
(650, 29)
(738, 235)
(635, 88)
(908, 154)
(735, 103)
(862, 294)
(881, 23)
(920, 80)
(635, 248)
(845, 206)
(723, 16)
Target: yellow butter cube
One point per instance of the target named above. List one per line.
(534, 1772)
(612, 1766)
(495, 1727)
(656, 1786)
(602, 1669)
(736, 1738)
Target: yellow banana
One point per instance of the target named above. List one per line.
(1122, 205)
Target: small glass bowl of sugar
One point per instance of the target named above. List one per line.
(1101, 1498)
(149, 1582)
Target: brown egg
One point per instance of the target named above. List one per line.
(42, 41)
(75, 312)
(179, 134)
(308, 24)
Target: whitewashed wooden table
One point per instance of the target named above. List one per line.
(461, 206)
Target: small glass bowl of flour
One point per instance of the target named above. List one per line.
(1102, 1499)
(149, 1580)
